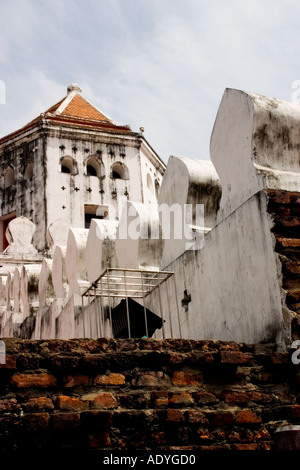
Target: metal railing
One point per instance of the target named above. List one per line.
(136, 303)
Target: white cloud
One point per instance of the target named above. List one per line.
(160, 64)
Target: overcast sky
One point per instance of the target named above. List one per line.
(160, 64)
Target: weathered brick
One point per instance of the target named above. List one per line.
(205, 398)
(245, 447)
(134, 400)
(237, 397)
(95, 345)
(161, 402)
(10, 362)
(176, 358)
(229, 346)
(236, 357)
(175, 415)
(216, 447)
(105, 400)
(222, 418)
(95, 361)
(92, 419)
(127, 345)
(248, 416)
(42, 380)
(197, 417)
(280, 358)
(262, 434)
(28, 361)
(289, 221)
(258, 396)
(35, 421)
(289, 242)
(39, 403)
(9, 404)
(294, 411)
(293, 267)
(150, 379)
(110, 379)
(64, 362)
(182, 399)
(187, 378)
(76, 380)
(160, 398)
(65, 421)
(279, 197)
(71, 403)
(100, 440)
(204, 435)
(159, 438)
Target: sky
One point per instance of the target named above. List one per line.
(159, 64)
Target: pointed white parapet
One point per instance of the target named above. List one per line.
(45, 294)
(100, 248)
(3, 277)
(254, 145)
(16, 290)
(59, 274)
(46, 289)
(75, 261)
(17, 315)
(5, 328)
(65, 324)
(138, 240)
(57, 233)
(19, 234)
(188, 203)
(29, 289)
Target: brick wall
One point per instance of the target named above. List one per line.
(145, 394)
(284, 208)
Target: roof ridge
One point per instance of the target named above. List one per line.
(71, 108)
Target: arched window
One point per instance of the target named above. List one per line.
(9, 177)
(94, 212)
(67, 165)
(119, 171)
(93, 167)
(150, 183)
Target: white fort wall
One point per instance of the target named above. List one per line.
(228, 288)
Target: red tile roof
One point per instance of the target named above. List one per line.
(74, 111)
(79, 107)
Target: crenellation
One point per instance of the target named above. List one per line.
(210, 248)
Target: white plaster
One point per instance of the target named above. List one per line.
(59, 275)
(187, 182)
(235, 288)
(75, 261)
(19, 234)
(254, 145)
(29, 288)
(57, 233)
(65, 323)
(138, 242)
(100, 248)
(16, 290)
(46, 289)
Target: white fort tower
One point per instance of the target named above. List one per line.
(71, 164)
